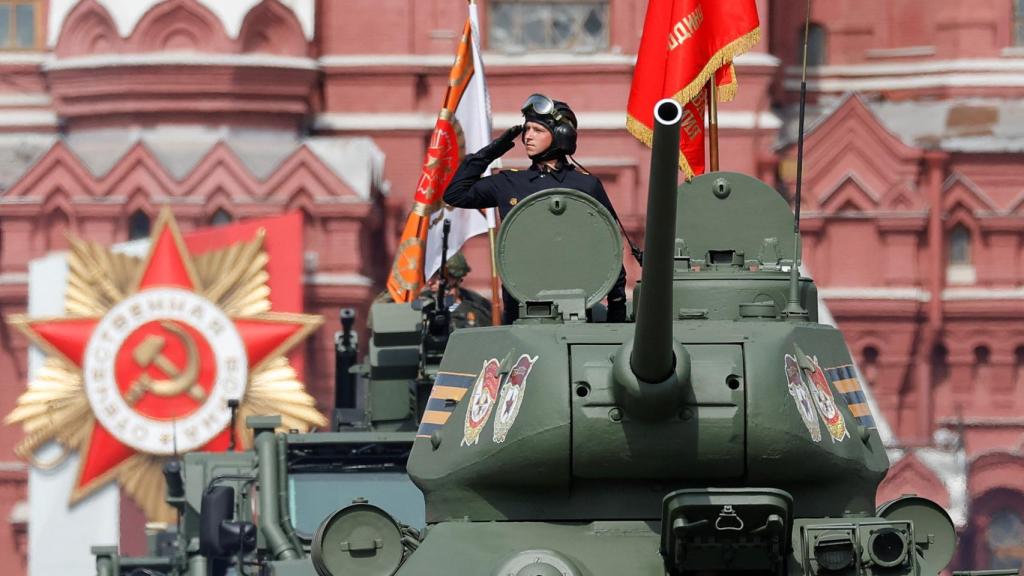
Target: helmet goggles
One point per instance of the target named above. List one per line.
(541, 106)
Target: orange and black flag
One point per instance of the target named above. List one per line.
(685, 44)
(443, 156)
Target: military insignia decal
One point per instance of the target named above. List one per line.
(448, 389)
(802, 397)
(481, 401)
(826, 403)
(844, 378)
(149, 352)
(512, 394)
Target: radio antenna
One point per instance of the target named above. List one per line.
(794, 310)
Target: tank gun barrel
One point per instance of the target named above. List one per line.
(653, 359)
(652, 369)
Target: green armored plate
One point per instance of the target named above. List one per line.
(731, 211)
(559, 239)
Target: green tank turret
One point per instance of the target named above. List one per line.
(723, 431)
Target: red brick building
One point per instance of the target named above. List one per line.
(913, 206)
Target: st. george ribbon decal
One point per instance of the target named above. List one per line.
(512, 394)
(826, 402)
(481, 401)
(445, 394)
(150, 351)
(844, 378)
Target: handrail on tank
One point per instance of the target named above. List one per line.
(652, 368)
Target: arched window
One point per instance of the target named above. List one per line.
(1003, 538)
(138, 225)
(940, 364)
(221, 217)
(982, 374)
(816, 38)
(870, 364)
(960, 246)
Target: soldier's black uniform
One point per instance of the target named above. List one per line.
(469, 189)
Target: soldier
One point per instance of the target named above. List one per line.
(467, 307)
(549, 136)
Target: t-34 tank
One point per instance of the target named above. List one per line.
(722, 432)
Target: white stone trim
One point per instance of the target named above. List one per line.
(757, 59)
(894, 293)
(332, 279)
(955, 294)
(16, 58)
(969, 73)
(34, 118)
(961, 274)
(127, 13)
(608, 120)
(180, 59)
(13, 278)
(22, 99)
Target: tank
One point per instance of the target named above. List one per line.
(722, 430)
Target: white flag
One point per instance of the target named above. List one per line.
(473, 117)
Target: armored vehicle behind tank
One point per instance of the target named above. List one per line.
(263, 505)
(723, 431)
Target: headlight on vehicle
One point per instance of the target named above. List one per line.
(888, 547)
(834, 552)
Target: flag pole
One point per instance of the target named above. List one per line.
(713, 123)
(496, 301)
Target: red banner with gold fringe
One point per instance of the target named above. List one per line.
(684, 44)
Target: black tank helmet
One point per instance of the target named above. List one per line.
(558, 118)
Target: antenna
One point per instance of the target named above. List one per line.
(794, 310)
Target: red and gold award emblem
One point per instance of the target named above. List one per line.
(150, 351)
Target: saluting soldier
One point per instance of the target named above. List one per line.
(549, 136)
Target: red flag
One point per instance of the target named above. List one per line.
(442, 160)
(684, 43)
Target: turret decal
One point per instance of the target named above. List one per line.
(448, 389)
(802, 398)
(844, 378)
(481, 402)
(512, 394)
(825, 401)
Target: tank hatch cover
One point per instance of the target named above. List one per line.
(358, 539)
(725, 211)
(559, 239)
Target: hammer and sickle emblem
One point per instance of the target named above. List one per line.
(150, 353)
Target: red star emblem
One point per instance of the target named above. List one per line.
(159, 365)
